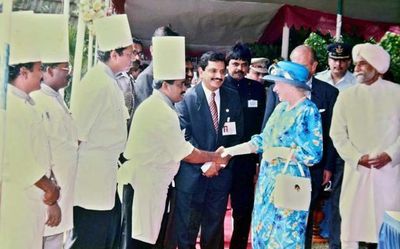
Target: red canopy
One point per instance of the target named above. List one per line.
(298, 17)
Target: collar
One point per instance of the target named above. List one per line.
(48, 90)
(236, 82)
(164, 97)
(106, 69)
(122, 75)
(309, 82)
(21, 94)
(208, 92)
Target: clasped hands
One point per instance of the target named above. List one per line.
(376, 162)
(218, 163)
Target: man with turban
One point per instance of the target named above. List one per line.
(366, 133)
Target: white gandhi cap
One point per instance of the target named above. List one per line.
(169, 57)
(112, 32)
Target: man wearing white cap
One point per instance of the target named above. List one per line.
(258, 69)
(100, 115)
(144, 82)
(26, 172)
(366, 133)
(58, 123)
(156, 145)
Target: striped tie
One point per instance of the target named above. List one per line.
(214, 111)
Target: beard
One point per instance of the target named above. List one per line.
(364, 77)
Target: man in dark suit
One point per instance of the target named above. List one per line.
(211, 117)
(324, 97)
(252, 99)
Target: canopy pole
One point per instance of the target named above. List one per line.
(285, 42)
(5, 25)
(66, 7)
(80, 35)
(339, 21)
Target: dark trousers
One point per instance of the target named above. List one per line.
(126, 226)
(94, 229)
(335, 219)
(242, 201)
(316, 181)
(137, 244)
(205, 210)
(167, 236)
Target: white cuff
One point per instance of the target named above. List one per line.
(240, 149)
(206, 166)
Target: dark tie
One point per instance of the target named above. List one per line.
(214, 111)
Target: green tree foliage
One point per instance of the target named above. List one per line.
(391, 43)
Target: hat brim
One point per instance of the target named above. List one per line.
(284, 80)
(339, 57)
(259, 70)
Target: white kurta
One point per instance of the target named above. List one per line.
(366, 120)
(26, 160)
(63, 139)
(99, 112)
(155, 147)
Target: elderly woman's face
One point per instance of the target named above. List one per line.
(284, 90)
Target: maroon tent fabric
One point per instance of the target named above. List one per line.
(298, 17)
(119, 6)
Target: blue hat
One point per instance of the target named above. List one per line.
(339, 51)
(289, 72)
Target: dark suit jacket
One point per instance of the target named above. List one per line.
(143, 85)
(195, 118)
(253, 116)
(324, 97)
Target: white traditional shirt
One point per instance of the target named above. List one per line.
(100, 115)
(366, 120)
(346, 81)
(63, 139)
(26, 161)
(155, 147)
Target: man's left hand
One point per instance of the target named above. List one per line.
(53, 215)
(380, 160)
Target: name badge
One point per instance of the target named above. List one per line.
(229, 129)
(252, 103)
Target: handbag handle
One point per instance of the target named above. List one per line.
(288, 161)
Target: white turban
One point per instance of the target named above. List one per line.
(375, 55)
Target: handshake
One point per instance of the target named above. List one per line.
(223, 155)
(219, 161)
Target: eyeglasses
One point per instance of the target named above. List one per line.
(136, 53)
(67, 69)
(133, 54)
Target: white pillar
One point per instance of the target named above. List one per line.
(80, 35)
(285, 42)
(66, 7)
(338, 27)
(5, 25)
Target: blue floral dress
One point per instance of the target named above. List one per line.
(298, 127)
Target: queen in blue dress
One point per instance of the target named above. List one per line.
(295, 124)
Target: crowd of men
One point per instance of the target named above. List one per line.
(136, 162)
